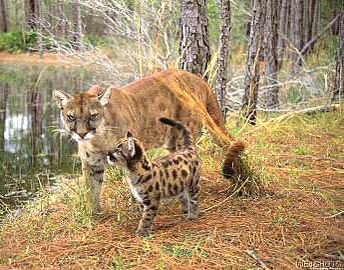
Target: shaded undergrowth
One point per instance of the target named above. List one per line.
(293, 216)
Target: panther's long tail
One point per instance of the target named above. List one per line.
(188, 141)
(231, 161)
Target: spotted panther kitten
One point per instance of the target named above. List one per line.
(176, 174)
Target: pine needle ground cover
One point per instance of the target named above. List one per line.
(293, 219)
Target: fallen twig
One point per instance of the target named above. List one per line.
(336, 215)
(255, 257)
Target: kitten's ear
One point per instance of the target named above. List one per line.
(131, 147)
(129, 134)
(60, 98)
(105, 96)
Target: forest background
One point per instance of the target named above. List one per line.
(301, 61)
(277, 65)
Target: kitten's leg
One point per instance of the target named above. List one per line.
(194, 189)
(149, 212)
(183, 199)
(140, 207)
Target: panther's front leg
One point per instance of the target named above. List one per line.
(93, 168)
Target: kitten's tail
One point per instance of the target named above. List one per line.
(188, 141)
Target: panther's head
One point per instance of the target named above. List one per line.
(83, 113)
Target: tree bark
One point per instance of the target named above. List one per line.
(4, 16)
(78, 36)
(194, 38)
(315, 18)
(3, 105)
(252, 62)
(298, 34)
(282, 31)
(31, 14)
(292, 21)
(306, 24)
(338, 91)
(270, 95)
(311, 8)
(224, 53)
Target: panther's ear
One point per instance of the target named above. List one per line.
(105, 96)
(60, 98)
(131, 145)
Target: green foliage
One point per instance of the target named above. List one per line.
(97, 40)
(17, 41)
(214, 21)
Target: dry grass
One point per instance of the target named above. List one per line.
(299, 162)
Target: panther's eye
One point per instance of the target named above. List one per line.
(93, 116)
(70, 117)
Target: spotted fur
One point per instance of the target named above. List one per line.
(176, 174)
(96, 119)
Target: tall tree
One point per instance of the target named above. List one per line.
(77, 27)
(306, 21)
(194, 38)
(252, 62)
(4, 16)
(3, 105)
(282, 31)
(224, 53)
(292, 21)
(31, 14)
(298, 30)
(270, 95)
(338, 91)
(315, 17)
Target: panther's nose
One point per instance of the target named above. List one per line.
(82, 135)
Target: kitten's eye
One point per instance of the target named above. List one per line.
(70, 117)
(93, 116)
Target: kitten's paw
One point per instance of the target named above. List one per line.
(142, 233)
(192, 215)
(184, 211)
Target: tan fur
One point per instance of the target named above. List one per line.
(135, 107)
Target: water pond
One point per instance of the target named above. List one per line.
(32, 153)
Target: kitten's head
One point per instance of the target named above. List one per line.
(127, 153)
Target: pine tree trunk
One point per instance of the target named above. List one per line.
(311, 18)
(3, 104)
(287, 20)
(270, 95)
(39, 27)
(78, 37)
(282, 31)
(194, 38)
(298, 34)
(224, 53)
(315, 18)
(31, 14)
(252, 62)
(50, 14)
(305, 15)
(4, 16)
(338, 91)
(292, 21)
